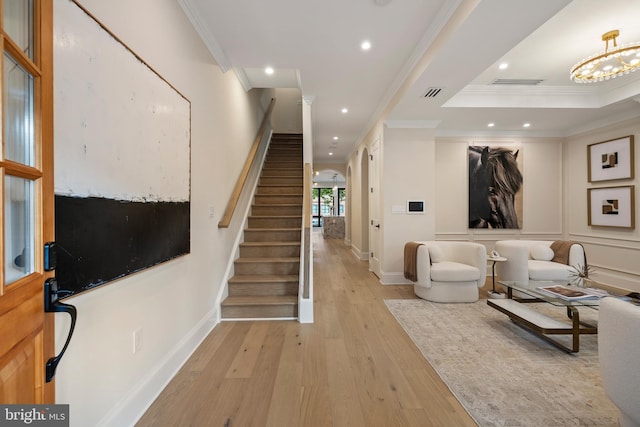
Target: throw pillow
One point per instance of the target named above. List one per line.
(542, 253)
(435, 254)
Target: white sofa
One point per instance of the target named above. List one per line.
(450, 271)
(619, 353)
(529, 260)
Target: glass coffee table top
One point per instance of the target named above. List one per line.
(536, 289)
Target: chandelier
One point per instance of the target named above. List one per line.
(608, 64)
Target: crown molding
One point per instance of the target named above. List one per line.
(243, 78)
(194, 14)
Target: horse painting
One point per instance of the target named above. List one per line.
(494, 180)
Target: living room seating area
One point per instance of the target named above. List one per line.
(453, 271)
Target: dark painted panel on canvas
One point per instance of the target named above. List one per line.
(100, 240)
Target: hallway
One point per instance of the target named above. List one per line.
(354, 366)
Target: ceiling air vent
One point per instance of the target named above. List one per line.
(432, 92)
(520, 82)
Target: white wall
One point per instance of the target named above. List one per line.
(173, 304)
(341, 168)
(287, 113)
(358, 216)
(408, 173)
(613, 253)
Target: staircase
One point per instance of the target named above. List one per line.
(266, 274)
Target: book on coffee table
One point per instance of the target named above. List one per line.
(569, 292)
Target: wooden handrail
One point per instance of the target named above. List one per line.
(242, 179)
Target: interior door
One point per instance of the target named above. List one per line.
(26, 213)
(375, 232)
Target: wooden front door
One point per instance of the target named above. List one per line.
(26, 190)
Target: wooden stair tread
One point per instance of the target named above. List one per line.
(275, 216)
(274, 243)
(264, 278)
(275, 196)
(273, 229)
(279, 205)
(272, 259)
(285, 194)
(260, 300)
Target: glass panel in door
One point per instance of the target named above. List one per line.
(18, 24)
(19, 228)
(18, 128)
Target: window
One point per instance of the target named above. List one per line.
(327, 202)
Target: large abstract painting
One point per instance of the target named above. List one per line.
(495, 187)
(122, 137)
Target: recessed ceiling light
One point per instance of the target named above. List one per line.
(317, 173)
(503, 66)
(526, 125)
(335, 138)
(344, 111)
(268, 70)
(331, 154)
(491, 125)
(366, 45)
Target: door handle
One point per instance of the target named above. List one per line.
(52, 305)
(377, 226)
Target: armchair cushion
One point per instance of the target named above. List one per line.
(448, 271)
(547, 270)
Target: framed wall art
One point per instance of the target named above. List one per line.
(611, 207)
(611, 160)
(495, 186)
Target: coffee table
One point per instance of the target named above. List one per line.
(540, 324)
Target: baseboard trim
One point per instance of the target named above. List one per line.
(362, 256)
(134, 404)
(396, 278)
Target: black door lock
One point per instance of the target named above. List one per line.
(50, 256)
(52, 305)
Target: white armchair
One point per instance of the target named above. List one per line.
(450, 271)
(619, 352)
(531, 260)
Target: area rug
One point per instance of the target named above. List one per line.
(502, 374)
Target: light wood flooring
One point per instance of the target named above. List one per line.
(354, 366)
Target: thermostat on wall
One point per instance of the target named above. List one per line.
(415, 206)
